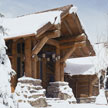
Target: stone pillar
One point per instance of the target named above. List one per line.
(60, 90)
(30, 90)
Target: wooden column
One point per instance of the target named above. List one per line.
(57, 66)
(34, 62)
(28, 71)
(34, 67)
(38, 69)
(44, 70)
(62, 64)
(90, 87)
(14, 65)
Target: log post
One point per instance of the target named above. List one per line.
(38, 69)
(57, 66)
(28, 72)
(39, 45)
(90, 87)
(14, 65)
(34, 67)
(34, 62)
(62, 64)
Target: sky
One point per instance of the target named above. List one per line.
(92, 13)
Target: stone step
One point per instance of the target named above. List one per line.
(86, 100)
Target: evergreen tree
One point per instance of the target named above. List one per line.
(6, 72)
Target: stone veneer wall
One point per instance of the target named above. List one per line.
(60, 90)
(30, 90)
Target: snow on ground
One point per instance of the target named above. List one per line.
(2, 106)
(56, 103)
(101, 99)
(64, 105)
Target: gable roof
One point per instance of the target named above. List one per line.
(64, 19)
(31, 23)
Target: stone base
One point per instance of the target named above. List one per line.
(86, 100)
(30, 90)
(60, 90)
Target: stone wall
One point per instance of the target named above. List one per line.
(30, 90)
(86, 100)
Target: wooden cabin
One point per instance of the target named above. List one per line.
(42, 53)
(83, 86)
(82, 77)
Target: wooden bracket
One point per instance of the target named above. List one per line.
(69, 53)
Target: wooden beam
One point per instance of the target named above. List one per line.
(28, 67)
(64, 13)
(43, 29)
(43, 41)
(67, 26)
(79, 44)
(39, 45)
(50, 34)
(81, 37)
(53, 34)
(69, 53)
(75, 16)
(53, 43)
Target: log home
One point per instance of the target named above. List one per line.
(40, 43)
(83, 78)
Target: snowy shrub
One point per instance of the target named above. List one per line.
(6, 72)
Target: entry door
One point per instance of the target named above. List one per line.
(47, 69)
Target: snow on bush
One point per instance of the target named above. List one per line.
(6, 72)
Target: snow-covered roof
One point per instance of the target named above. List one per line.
(80, 66)
(37, 24)
(29, 24)
(89, 65)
